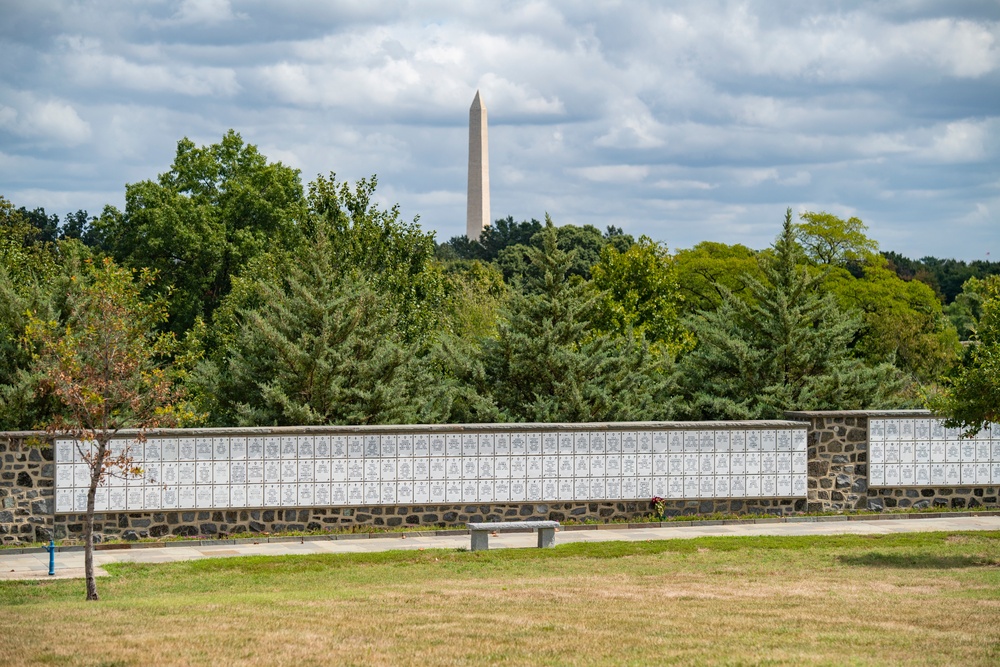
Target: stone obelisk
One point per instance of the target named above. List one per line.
(478, 212)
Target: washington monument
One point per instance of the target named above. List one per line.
(478, 212)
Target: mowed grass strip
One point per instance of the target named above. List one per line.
(919, 598)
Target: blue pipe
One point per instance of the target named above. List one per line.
(52, 557)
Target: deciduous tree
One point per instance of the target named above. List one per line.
(203, 221)
(638, 289)
(394, 256)
(105, 364)
(901, 322)
(30, 280)
(832, 241)
(709, 270)
(970, 397)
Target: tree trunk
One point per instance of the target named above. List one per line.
(96, 468)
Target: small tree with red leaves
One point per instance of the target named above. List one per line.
(108, 367)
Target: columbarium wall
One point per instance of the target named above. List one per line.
(213, 482)
(897, 459)
(225, 481)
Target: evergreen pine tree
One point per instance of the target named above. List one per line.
(548, 363)
(315, 345)
(786, 347)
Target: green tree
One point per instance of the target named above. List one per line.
(105, 365)
(394, 256)
(970, 395)
(709, 271)
(618, 239)
(477, 300)
(23, 255)
(785, 348)
(381, 272)
(30, 280)
(965, 311)
(945, 276)
(203, 221)
(314, 343)
(901, 322)
(584, 243)
(832, 241)
(45, 226)
(80, 226)
(548, 363)
(476, 293)
(503, 233)
(639, 290)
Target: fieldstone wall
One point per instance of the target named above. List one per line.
(838, 468)
(217, 523)
(956, 497)
(838, 460)
(26, 491)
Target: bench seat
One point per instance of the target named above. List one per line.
(481, 532)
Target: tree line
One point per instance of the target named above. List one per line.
(281, 304)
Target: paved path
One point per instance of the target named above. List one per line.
(70, 564)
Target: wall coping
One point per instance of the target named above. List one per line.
(443, 428)
(812, 414)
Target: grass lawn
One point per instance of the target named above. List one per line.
(919, 598)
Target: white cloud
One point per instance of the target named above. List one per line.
(960, 141)
(440, 197)
(60, 202)
(668, 184)
(204, 12)
(958, 47)
(90, 65)
(613, 173)
(631, 126)
(982, 214)
(752, 177)
(848, 47)
(518, 98)
(50, 121)
(428, 71)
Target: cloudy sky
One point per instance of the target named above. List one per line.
(686, 121)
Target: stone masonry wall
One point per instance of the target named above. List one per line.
(838, 460)
(26, 492)
(838, 469)
(210, 523)
(27, 509)
(837, 481)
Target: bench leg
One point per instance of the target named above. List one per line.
(480, 540)
(546, 537)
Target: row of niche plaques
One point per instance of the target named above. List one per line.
(293, 447)
(922, 429)
(922, 452)
(144, 497)
(448, 468)
(703, 464)
(934, 474)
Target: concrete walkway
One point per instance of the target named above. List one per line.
(70, 564)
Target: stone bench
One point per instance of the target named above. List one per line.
(481, 532)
